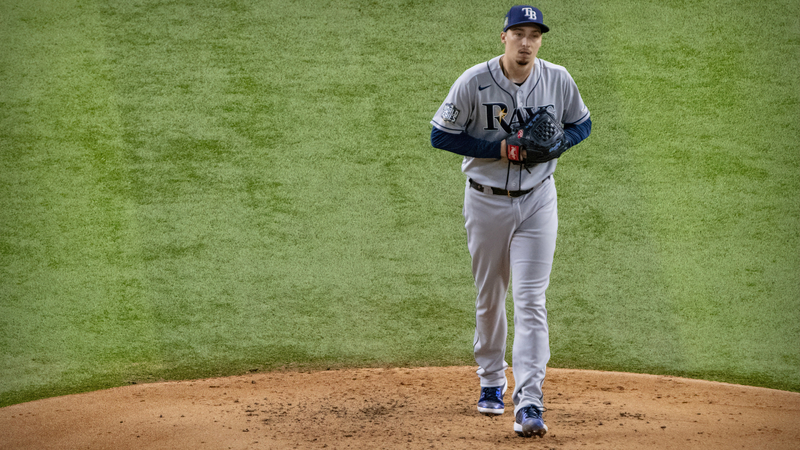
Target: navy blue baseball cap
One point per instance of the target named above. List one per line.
(522, 14)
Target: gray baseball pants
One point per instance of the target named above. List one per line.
(512, 236)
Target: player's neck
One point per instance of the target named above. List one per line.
(514, 72)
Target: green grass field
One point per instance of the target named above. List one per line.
(192, 189)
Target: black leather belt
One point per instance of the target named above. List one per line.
(498, 191)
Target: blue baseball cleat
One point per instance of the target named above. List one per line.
(491, 401)
(529, 422)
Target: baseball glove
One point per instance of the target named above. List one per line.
(542, 139)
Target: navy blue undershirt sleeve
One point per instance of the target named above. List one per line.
(577, 133)
(464, 144)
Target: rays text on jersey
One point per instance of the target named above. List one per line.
(496, 114)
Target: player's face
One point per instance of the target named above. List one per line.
(522, 43)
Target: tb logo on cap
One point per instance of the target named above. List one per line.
(522, 14)
(530, 13)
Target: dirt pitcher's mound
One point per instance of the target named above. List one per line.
(406, 408)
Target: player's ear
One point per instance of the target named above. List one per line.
(503, 37)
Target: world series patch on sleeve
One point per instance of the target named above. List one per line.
(450, 112)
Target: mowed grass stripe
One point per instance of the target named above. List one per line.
(70, 299)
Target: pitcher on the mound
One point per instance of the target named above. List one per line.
(510, 206)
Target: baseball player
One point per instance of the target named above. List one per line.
(510, 207)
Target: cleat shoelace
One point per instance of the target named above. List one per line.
(491, 394)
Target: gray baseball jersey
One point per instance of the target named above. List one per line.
(486, 105)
